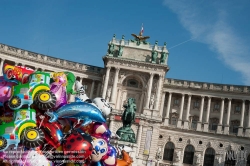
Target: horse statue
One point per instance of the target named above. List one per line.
(128, 116)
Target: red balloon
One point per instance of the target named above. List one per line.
(78, 147)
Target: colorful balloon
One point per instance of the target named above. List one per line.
(100, 149)
(126, 160)
(58, 87)
(5, 90)
(17, 73)
(80, 92)
(78, 147)
(103, 105)
(101, 130)
(110, 159)
(78, 110)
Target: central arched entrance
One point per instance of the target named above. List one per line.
(131, 87)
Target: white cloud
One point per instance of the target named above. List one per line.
(209, 25)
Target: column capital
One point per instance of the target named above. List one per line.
(3, 59)
(170, 92)
(117, 68)
(189, 95)
(161, 75)
(243, 100)
(108, 67)
(151, 74)
(209, 97)
(222, 98)
(230, 99)
(183, 94)
(202, 97)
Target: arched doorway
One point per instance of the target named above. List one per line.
(169, 151)
(188, 154)
(209, 157)
(248, 160)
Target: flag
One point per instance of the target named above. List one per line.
(142, 30)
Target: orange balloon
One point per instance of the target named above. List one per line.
(125, 161)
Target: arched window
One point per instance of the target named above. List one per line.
(188, 154)
(168, 151)
(209, 157)
(248, 160)
(132, 83)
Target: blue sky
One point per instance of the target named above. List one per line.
(208, 41)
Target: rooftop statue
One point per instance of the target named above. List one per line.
(120, 51)
(111, 48)
(140, 38)
(128, 117)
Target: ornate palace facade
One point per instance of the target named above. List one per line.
(178, 122)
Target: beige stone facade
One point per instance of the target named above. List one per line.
(176, 120)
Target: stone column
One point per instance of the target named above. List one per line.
(166, 121)
(80, 80)
(240, 130)
(98, 89)
(207, 117)
(1, 66)
(179, 124)
(158, 92)
(149, 89)
(219, 128)
(111, 124)
(248, 124)
(139, 139)
(153, 144)
(92, 89)
(114, 95)
(162, 103)
(186, 122)
(105, 86)
(226, 127)
(201, 114)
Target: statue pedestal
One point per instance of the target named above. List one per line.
(126, 134)
(133, 146)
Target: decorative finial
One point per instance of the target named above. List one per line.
(165, 44)
(156, 42)
(123, 37)
(114, 36)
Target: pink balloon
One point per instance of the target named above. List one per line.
(5, 90)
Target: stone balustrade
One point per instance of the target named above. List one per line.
(57, 62)
(208, 86)
(145, 46)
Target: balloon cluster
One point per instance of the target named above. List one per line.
(39, 126)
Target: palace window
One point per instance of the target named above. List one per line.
(234, 126)
(188, 155)
(169, 151)
(216, 106)
(213, 124)
(194, 121)
(196, 104)
(237, 109)
(209, 157)
(174, 118)
(176, 102)
(132, 83)
(173, 121)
